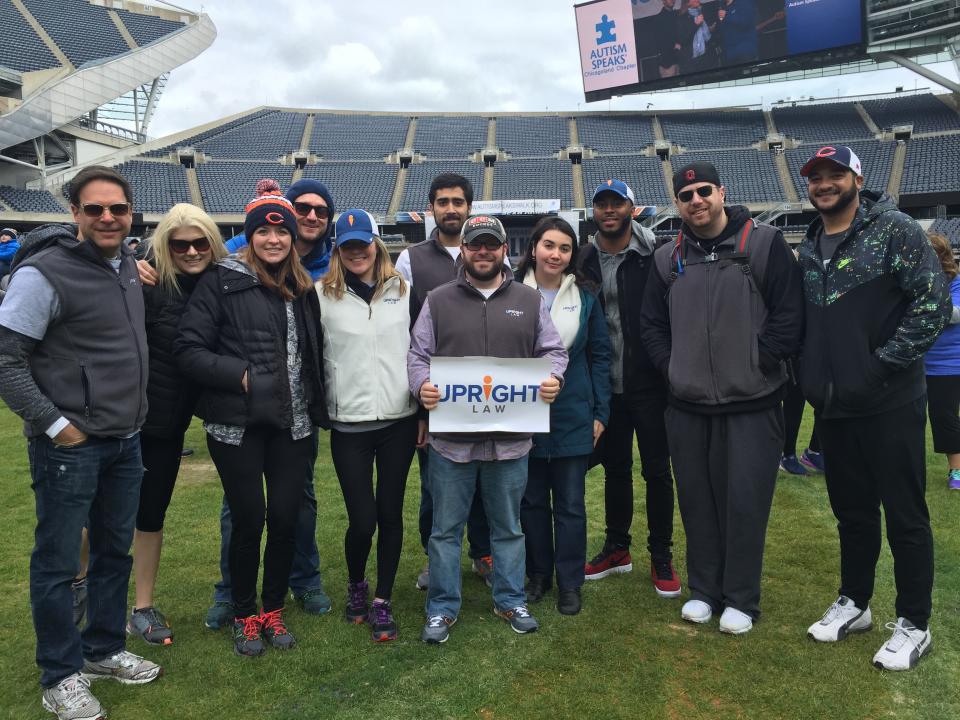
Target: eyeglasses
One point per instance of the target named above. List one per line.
(93, 210)
(200, 244)
(303, 210)
(703, 191)
(488, 241)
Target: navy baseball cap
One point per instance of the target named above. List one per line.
(839, 154)
(615, 186)
(356, 224)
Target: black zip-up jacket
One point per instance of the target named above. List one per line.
(233, 324)
(872, 312)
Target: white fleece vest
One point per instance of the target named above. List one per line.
(565, 312)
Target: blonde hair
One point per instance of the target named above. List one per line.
(181, 215)
(334, 283)
(945, 254)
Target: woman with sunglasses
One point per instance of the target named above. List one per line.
(365, 313)
(250, 337)
(183, 246)
(552, 511)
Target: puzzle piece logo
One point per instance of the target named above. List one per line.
(605, 30)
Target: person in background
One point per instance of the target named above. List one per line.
(8, 248)
(552, 512)
(183, 246)
(250, 339)
(942, 363)
(811, 459)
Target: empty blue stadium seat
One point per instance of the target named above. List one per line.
(156, 186)
(525, 136)
(821, 124)
(932, 165)
(925, 112)
(643, 174)
(21, 49)
(357, 137)
(227, 187)
(419, 176)
(949, 227)
(447, 137)
(543, 178)
(146, 29)
(615, 133)
(38, 201)
(366, 185)
(718, 129)
(84, 32)
(748, 175)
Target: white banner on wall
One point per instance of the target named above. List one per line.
(487, 394)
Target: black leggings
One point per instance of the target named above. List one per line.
(266, 454)
(354, 455)
(161, 463)
(793, 407)
(943, 396)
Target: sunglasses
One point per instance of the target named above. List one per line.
(488, 242)
(303, 210)
(703, 191)
(93, 210)
(180, 247)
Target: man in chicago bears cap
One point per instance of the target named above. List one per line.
(876, 300)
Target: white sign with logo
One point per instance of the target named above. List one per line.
(608, 49)
(487, 394)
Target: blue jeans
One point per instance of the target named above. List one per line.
(556, 532)
(305, 573)
(94, 485)
(501, 486)
(478, 532)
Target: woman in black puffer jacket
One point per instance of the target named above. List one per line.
(251, 338)
(183, 246)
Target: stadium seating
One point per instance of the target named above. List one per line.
(925, 112)
(145, 29)
(543, 178)
(949, 227)
(821, 124)
(441, 137)
(228, 186)
(876, 159)
(643, 175)
(264, 138)
(198, 139)
(39, 201)
(703, 130)
(21, 49)
(156, 186)
(366, 185)
(73, 24)
(748, 175)
(615, 134)
(357, 137)
(931, 165)
(419, 176)
(531, 136)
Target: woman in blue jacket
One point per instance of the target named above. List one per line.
(557, 533)
(8, 248)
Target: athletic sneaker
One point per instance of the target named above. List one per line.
(315, 602)
(380, 618)
(904, 648)
(841, 619)
(150, 624)
(356, 610)
(519, 618)
(71, 699)
(437, 629)
(124, 667)
(79, 590)
(423, 579)
(734, 622)
(483, 566)
(219, 615)
(665, 579)
(696, 611)
(275, 631)
(790, 464)
(609, 561)
(953, 480)
(247, 638)
(812, 461)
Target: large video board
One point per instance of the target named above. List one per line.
(629, 46)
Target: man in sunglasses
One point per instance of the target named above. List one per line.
(722, 315)
(618, 260)
(876, 300)
(73, 365)
(483, 312)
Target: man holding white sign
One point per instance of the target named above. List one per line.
(469, 365)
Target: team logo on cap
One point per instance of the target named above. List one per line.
(691, 175)
(826, 151)
(274, 218)
(609, 182)
(350, 219)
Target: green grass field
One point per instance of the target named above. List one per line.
(627, 655)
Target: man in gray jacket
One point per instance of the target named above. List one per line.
(73, 365)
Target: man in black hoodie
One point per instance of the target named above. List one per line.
(722, 313)
(876, 300)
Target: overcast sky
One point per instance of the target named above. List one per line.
(488, 55)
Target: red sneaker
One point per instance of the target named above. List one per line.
(665, 579)
(609, 561)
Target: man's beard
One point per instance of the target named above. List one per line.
(616, 234)
(843, 202)
(495, 271)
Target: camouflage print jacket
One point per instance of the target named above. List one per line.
(871, 313)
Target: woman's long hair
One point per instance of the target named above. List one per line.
(945, 254)
(551, 222)
(181, 215)
(287, 278)
(334, 283)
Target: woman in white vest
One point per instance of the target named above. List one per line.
(365, 313)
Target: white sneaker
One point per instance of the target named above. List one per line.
(71, 699)
(904, 648)
(696, 611)
(735, 622)
(124, 667)
(841, 618)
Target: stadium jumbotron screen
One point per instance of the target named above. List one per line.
(629, 46)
